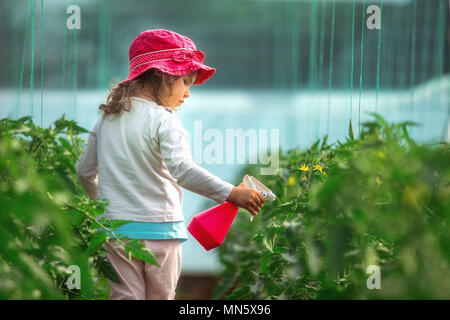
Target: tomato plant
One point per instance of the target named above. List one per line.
(381, 199)
(47, 223)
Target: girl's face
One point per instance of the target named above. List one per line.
(180, 90)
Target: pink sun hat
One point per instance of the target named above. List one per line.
(169, 52)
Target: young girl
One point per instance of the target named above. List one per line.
(138, 158)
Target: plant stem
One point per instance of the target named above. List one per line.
(101, 225)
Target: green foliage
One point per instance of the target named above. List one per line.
(379, 200)
(47, 223)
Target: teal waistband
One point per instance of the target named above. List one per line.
(153, 230)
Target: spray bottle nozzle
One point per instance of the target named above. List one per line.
(253, 183)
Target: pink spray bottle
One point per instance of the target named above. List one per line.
(210, 227)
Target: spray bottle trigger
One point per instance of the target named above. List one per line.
(264, 195)
(253, 183)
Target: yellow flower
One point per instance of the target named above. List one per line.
(291, 181)
(378, 180)
(303, 168)
(318, 167)
(380, 154)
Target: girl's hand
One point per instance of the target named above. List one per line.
(247, 198)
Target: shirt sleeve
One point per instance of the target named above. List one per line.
(87, 166)
(176, 154)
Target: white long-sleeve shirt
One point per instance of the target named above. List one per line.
(139, 161)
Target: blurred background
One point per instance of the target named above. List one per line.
(304, 68)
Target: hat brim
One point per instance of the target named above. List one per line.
(167, 66)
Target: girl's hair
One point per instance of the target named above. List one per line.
(148, 83)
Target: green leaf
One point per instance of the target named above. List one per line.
(66, 144)
(265, 261)
(380, 119)
(273, 213)
(350, 131)
(315, 145)
(137, 250)
(324, 143)
(96, 241)
(268, 244)
(114, 224)
(80, 129)
(106, 269)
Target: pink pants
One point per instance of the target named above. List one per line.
(143, 281)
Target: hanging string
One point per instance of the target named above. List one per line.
(75, 69)
(361, 70)
(426, 41)
(64, 57)
(353, 58)
(441, 36)
(275, 63)
(33, 16)
(440, 64)
(280, 52)
(322, 37)
(42, 59)
(401, 61)
(275, 39)
(284, 8)
(391, 63)
(295, 26)
(281, 49)
(386, 47)
(261, 44)
(312, 45)
(65, 61)
(330, 73)
(446, 133)
(424, 63)
(104, 43)
(413, 55)
(284, 45)
(14, 46)
(312, 52)
(379, 55)
(25, 41)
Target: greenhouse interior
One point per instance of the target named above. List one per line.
(339, 108)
